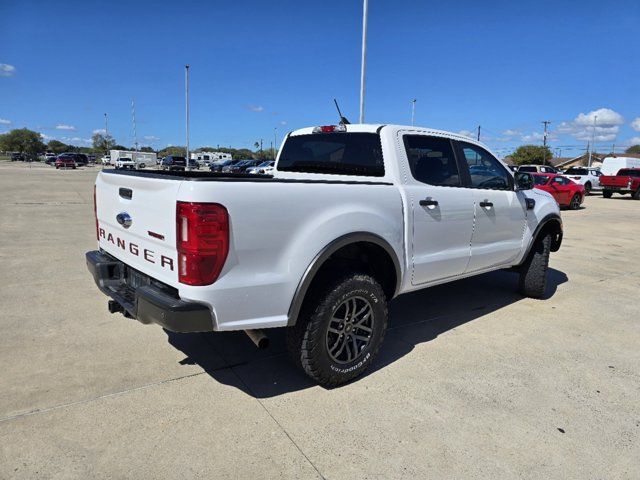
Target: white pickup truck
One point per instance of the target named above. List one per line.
(353, 216)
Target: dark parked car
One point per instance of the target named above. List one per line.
(218, 166)
(15, 157)
(241, 166)
(173, 162)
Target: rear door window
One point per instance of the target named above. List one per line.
(339, 153)
(432, 160)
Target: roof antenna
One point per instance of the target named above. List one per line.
(343, 120)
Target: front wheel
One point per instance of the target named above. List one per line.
(340, 329)
(533, 272)
(607, 193)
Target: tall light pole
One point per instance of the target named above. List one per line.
(365, 9)
(413, 111)
(593, 138)
(275, 141)
(186, 92)
(479, 127)
(133, 119)
(544, 142)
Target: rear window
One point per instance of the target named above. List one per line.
(577, 171)
(528, 169)
(540, 179)
(333, 153)
(629, 173)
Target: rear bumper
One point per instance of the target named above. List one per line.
(147, 303)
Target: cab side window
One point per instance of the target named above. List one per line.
(431, 160)
(484, 169)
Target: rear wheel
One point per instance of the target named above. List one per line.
(607, 193)
(575, 202)
(587, 188)
(340, 330)
(533, 272)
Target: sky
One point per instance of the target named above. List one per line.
(261, 69)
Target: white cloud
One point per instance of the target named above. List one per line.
(467, 133)
(46, 137)
(632, 141)
(635, 124)
(151, 138)
(603, 125)
(101, 131)
(7, 70)
(283, 122)
(4, 121)
(62, 126)
(77, 140)
(256, 108)
(602, 116)
(511, 133)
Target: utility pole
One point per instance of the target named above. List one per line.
(186, 94)
(479, 132)
(106, 133)
(544, 142)
(365, 11)
(275, 141)
(413, 111)
(133, 117)
(593, 139)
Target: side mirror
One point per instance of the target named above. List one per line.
(524, 181)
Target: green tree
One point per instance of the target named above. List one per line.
(147, 149)
(531, 155)
(56, 146)
(172, 150)
(633, 149)
(22, 140)
(102, 142)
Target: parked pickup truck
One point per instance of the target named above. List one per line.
(353, 216)
(626, 181)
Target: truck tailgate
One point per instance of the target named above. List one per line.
(614, 181)
(148, 244)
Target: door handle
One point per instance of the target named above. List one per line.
(486, 204)
(429, 202)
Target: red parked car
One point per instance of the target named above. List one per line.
(566, 192)
(65, 161)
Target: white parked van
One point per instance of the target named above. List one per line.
(611, 165)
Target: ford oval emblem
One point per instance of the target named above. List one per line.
(124, 219)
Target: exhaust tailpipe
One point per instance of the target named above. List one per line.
(258, 337)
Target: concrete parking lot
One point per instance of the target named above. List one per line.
(473, 381)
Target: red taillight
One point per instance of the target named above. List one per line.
(95, 213)
(202, 241)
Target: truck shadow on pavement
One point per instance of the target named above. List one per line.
(232, 359)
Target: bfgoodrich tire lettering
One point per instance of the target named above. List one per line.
(315, 342)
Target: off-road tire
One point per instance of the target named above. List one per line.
(533, 272)
(307, 340)
(607, 193)
(636, 195)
